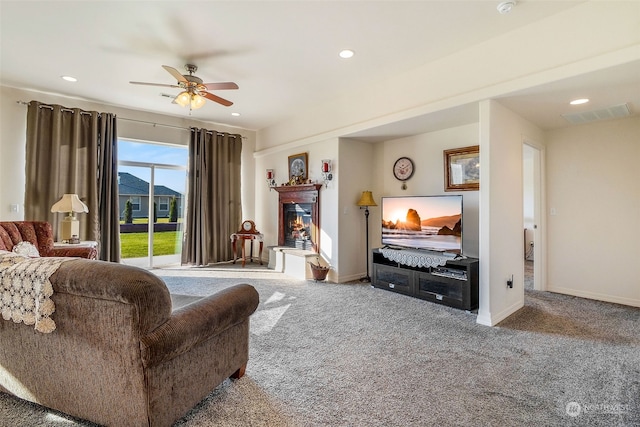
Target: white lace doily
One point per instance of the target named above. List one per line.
(416, 258)
(25, 290)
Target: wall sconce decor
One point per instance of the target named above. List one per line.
(327, 175)
(271, 178)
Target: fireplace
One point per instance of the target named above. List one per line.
(297, 225)
(298, 216)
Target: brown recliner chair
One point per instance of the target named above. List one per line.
(40, 234)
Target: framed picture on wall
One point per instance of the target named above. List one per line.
(298, 167)
(462, 169)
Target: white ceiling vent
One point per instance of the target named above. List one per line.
(612, 112)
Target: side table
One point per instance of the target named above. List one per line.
(243, 237)
(82, 244)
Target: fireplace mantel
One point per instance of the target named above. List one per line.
(300, 194)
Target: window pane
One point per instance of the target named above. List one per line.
(164, 167)
(152, 153)
(163, 204)
(135, 203)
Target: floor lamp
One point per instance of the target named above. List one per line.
(365, 201)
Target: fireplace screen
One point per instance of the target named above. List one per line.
(298, 226)
(299, 216)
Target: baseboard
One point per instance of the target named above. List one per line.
(595, 296)
(488, 319)
(349, 278)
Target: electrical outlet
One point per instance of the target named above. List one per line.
(510, 282)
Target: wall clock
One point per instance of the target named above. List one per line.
(403, 168)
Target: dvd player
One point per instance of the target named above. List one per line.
(450, 272)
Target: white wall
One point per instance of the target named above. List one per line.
(266, 216)
(13, 119)
(502, 134)
(357, 173)
(426, 151)
(594, 189)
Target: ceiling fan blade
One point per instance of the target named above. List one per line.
(220, 86)
(153, 84)
(217, 99)
(175, 73)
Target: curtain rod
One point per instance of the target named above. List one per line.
(174, 126)
(64, 109)
(133, 120)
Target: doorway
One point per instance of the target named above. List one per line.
(152, 190)
(533, 189)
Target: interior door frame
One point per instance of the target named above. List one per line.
(539, 218)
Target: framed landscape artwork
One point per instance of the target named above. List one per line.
(462, 169)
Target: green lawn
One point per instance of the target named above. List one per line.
(146, 220)
(134, 245)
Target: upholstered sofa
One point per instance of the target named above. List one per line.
(40, 234)
(119, 356)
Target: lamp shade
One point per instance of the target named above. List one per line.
(196, 101)
(183, 99)
(69, 203)
(366, 199)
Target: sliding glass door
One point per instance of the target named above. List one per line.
(152, 194)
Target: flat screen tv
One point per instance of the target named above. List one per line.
(423, 222)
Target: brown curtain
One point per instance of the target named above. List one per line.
(74, 151)
(214, 209)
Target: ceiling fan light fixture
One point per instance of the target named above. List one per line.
(197, 101)
(183, 99)
(192, 88)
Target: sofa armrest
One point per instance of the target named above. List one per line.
(196, 322)
(84, 252)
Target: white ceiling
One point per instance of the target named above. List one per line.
(282, 54)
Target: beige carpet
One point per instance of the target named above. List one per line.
(325, 354)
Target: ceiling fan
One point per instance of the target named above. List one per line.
(194, 91)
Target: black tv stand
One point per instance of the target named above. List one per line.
(455, 284)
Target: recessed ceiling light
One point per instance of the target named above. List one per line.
(69, 78)
(506, 6)
(235, 114)
(346, 53)
(579, 101)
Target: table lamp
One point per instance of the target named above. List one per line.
(70, 226)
